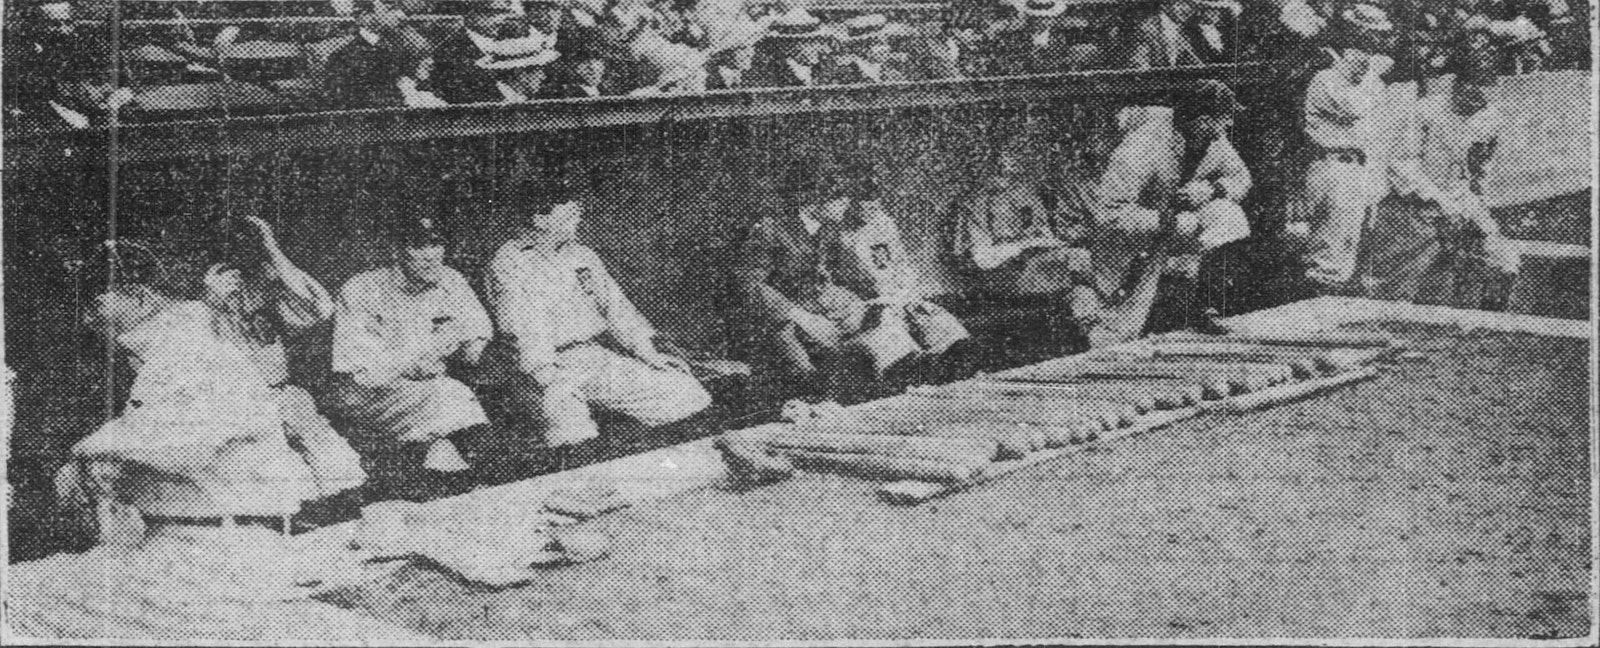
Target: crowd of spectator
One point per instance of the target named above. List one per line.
(287, 56)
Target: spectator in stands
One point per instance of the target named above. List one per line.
(1340, 186)
(584, 72)
(55, 73)
(590, 21)
(579, 341)
(1214, 29)
(457, 78)
(866, 55)
(381, 64)
(1008, 239)
(1162, 39)
(519, 66)
(1041, 38)
(955, 47)
(1167, 199)
(672, 66)
(396, 329)
(1433, 240)
(732, 55)
(793, 52)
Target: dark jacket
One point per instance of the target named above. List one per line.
(456, 75)
(1148, 46)
(43, 66)
(363, 75)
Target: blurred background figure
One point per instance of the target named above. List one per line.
(733, 53)
(381, 64)
(1042, 37)
(457, 78)
(519, 67)
(793, 52)
(56, 73)
(584, 70)
(866, 54)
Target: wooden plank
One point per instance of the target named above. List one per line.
(277, 133)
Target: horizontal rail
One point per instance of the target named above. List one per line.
(250, 135)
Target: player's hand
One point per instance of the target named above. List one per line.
(821, 329)
(1379, 65)
(1195, 193)
(1297, 230)
(663, 362)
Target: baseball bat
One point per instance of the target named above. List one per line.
(1323, 339)
(910, 447)
(1141, 401)
(884, 468)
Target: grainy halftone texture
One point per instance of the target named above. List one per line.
(1447, 498)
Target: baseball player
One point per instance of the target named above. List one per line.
(1340, 185)
(395, 328)
(1433, 237)
(577, 337)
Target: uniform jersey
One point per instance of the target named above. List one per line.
(547, 301)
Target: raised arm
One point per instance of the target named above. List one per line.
(303, 302)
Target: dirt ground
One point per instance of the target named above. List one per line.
(1447, 498)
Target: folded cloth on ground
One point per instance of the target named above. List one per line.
(491, 546)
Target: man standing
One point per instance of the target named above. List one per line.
(1433, 240)
(577, 337)
(1340, 186)
(1169, 196)
(395, 329)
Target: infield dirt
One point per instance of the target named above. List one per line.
(1449, 497)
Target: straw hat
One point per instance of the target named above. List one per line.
(535, 49)
(799, 24)
(1040, 8)
(870, 27)
(1367, 17)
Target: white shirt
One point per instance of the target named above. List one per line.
(509, 94)
(1335, 107)
(370, 36)
(801, 72)
(1169, 31)
(545, 301)
(872, 70)
(385, 325)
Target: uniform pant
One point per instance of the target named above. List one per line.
(1417, 254)
(1338, 198)
(408, 411)
(592, 375)
(334, 464)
